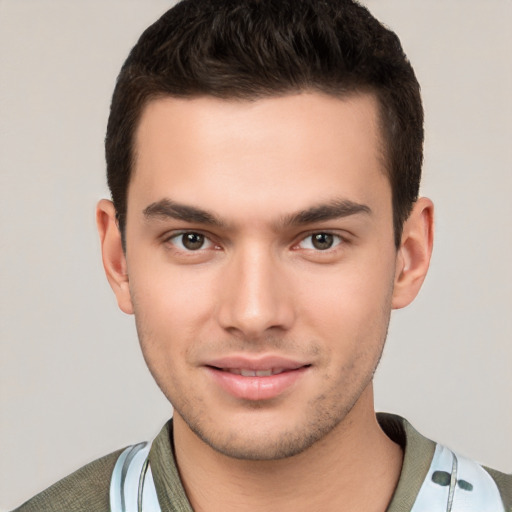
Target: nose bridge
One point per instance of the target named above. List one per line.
(254, 295)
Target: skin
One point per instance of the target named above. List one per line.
(288, 255)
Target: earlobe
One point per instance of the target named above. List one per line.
(413, 257)
(114, 258)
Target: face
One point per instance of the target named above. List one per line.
(260, 264)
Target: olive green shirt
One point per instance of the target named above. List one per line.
(87, 490)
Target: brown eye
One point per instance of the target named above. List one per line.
(322, 241)
(192, 241)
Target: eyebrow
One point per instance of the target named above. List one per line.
(333, 210)
(166, 208)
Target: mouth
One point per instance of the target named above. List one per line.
(257, 380)
(246, 372)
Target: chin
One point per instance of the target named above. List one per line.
(258, 447)
(265, 440)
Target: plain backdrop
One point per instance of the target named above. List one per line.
(73, 385)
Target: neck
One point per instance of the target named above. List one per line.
(354, 467)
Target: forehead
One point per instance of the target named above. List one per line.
(301, 145)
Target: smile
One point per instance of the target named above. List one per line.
(257, 381)
(253, 373)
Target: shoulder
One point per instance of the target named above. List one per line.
(84, 490)
(465, 484)
(504, 483)
(433, 475)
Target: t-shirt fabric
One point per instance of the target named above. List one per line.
(423, 475)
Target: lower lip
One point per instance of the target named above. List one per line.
(256, 388)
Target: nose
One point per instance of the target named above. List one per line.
(255, 298)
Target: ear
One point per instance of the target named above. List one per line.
(114, 258)
(413, 257)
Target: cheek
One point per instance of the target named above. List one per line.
(354, 292)
(171, 309)
(172, 298)
(163, 327)
(351, 304)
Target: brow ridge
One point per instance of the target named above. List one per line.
(333, 210)
(166, 208)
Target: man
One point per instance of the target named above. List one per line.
(264, 159)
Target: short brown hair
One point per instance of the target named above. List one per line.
(248, 49)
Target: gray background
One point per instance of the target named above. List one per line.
(73, 385)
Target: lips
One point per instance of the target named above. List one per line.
(259, 379)
(253, 373)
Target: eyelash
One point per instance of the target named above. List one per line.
(176, 240)
(337, 240)
(179, 237)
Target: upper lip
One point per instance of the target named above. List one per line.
(260, 363)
